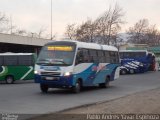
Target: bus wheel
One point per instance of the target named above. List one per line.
(77, 87)
(9, 80)
(104, 85)
(123, 71)
(131, 71)
(44, 88)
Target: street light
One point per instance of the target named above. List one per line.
(51, 19)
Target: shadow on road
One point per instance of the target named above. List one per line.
(17, 82)
(69, 91)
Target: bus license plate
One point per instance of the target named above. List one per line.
(51, 78)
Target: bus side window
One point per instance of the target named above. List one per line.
(10, 60)
(26, 60)
(93, 56)
(107, 57)
(1, 61)
(79, 57)
(114, 57)
(118, 57)
(121, 55)
(101, 56)
(85, 55)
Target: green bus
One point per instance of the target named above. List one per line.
(16, 66)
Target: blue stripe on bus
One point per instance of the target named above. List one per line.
(92, 77)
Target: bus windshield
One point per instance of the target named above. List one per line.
(57, 55)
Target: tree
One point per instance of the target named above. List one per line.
(20, 32)
(86, 32)
(71, 31)
(3, 22)
(41, 32)
(138, 31)
(108, 25)
(143, 33)
(102, 30)
(152, 36)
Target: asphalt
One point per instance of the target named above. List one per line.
(26, 97)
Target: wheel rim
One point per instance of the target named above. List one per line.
(77, 87)
(123, 72)
(131, 71)
(9, 80)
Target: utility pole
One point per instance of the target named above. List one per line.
(11, 25)
(51, 21)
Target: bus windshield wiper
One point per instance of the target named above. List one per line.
(42, 61)
(50, 62)
(60, 61)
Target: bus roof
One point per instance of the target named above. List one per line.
(12, 54)
(96, 46)
(90, 45)
(133, 51)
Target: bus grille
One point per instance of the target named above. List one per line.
(52, 74)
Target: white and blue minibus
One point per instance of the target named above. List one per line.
(73, 64)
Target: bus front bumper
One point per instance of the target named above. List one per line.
(55, 82)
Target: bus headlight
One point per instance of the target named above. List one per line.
(67, 73)
(35, 72)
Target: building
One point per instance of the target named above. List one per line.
(20, 44)
(156, 51)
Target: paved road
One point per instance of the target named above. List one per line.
(27, 98)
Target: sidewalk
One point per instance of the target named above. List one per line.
(147, 102)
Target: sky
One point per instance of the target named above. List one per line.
(32, 15)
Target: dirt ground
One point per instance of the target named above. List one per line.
(147, 102)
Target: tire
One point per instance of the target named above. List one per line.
(9, 79)
(123, 72)
(104, 85)
(131, 71)
(44, 88)
(77, 87)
